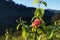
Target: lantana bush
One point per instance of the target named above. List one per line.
(37, 29)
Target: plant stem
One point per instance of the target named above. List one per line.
(36, 34)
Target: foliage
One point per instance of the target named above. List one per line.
(37, 30)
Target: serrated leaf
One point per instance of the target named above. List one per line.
(44, 3)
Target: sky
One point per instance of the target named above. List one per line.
(51, 4)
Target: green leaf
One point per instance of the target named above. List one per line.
(25, 26)
(17, 21)
(51, 34)
(39, 12)
(39, 31)
(57, 34)
(18, 26)
(23, 22)
(42, 37)
(44, 3)
(42, 10)
(34, 2)
(24, 33)
(33, 30)
(36, 11)
(33, 18)
(31, 35)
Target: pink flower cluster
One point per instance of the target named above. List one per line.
(36, 22)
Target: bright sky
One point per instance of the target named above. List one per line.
(51, 4)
